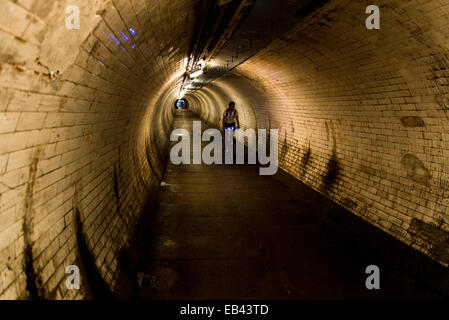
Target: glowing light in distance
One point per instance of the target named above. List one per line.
(196, 74)
(183, 92)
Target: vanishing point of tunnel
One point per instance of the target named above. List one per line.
(346, 100)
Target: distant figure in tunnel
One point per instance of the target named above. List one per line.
(180, 104)
(230, 117)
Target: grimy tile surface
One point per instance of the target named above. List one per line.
(225, 232)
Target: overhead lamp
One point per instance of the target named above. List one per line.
(182, 94)
(196, 74)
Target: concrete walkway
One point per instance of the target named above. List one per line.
(225, 232)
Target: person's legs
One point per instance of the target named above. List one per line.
(229, 135)
(230, 125)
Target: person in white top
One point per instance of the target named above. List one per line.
(231, 117)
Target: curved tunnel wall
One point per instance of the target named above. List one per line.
(211, 101)
(362, 113)
(85, 115)
(84, 119)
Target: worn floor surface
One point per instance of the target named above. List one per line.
(225, 232)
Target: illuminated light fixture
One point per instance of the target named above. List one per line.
(183, 92)
(196, 74)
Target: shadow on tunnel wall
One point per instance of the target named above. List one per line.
(156, 150)
(385, 91)
(98, 289)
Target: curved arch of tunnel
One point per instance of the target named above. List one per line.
(365, 124)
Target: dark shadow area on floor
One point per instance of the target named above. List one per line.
(225, 232)
(406, 259)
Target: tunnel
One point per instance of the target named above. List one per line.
(355, 92)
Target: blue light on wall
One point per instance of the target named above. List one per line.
(117, 42)
(124, 37)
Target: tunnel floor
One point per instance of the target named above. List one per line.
(225, 232)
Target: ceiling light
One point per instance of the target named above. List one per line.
(196, 74)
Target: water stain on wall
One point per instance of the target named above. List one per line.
(309, 7)
(332, 172)
(415, 169)
(306, 156)
(33, 282)
(433, 235)
(333, 167)
(285, 148)
(367, 169)
(19, 39)
(412, 122)
(349, 203)
(330, 131)
(116, 193)
(97, 285)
